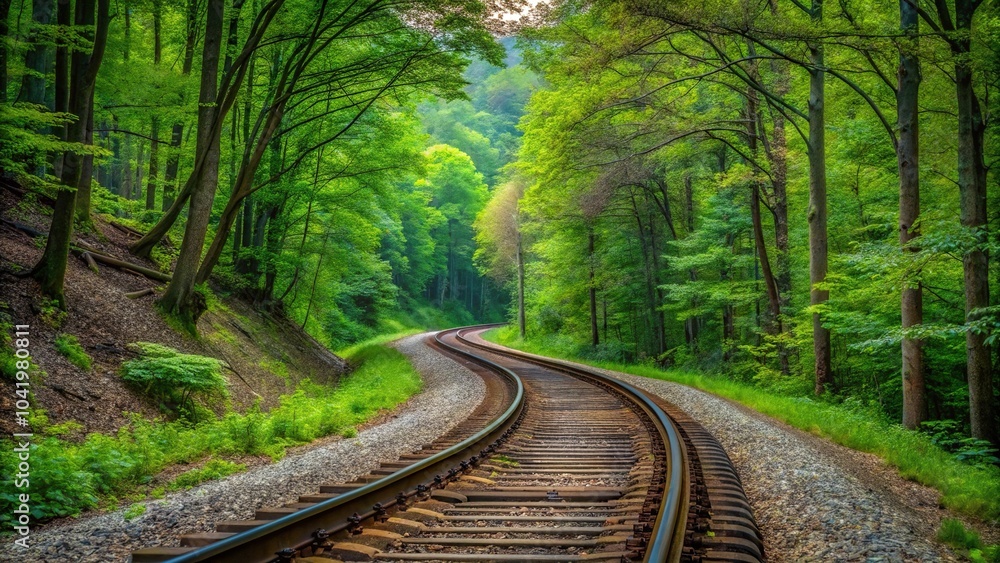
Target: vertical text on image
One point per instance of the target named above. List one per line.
(22, 440)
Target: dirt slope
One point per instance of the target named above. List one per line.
(267, 356)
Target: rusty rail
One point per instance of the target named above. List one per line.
(312, 526)
(666, 536)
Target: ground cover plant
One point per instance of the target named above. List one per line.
(69, 476)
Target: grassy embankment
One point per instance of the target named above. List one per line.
(71, 473)
(970, 490)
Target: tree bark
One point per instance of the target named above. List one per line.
(154, 149)
(50, 271)
(178, 298)
(520, 286)
(594, 338)
(63, 18)
(154, 163)
(907, 157)
(177, 132)
(87, 173)
(972, 194)
(818, 244)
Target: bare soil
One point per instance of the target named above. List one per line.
(105, 321)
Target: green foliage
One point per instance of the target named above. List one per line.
(69, 347)
(504, 461)
(973, 490)
(173, 377)
(949, 435)
(213, 469)
(134, 511)
(953, 533)
(52, 313)
(75, 475)
(23, 143)
(8, 361)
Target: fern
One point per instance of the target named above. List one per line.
(172, 376)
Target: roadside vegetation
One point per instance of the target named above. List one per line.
(71, 472)
(969, 484)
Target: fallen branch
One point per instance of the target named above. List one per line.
(27, 229)
(141, 293)
(125, 229)
(123, 265)
(89, 259)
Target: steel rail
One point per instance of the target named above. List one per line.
(667, 538)
(299, 529)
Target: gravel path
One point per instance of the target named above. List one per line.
(450, 394)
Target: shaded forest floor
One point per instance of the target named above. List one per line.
(266, 356)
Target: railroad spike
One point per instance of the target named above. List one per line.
(354, 524)
(380, 513)
(286, 555)
(402, 501)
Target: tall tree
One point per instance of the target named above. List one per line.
(180, 298)
(908, 159)
(50, 271)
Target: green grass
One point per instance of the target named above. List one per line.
(970, 490)
(504, 461)
(69, 347)
(352, 351)
(70, 476)
(134, 511)
(214, 469)
(954, 533)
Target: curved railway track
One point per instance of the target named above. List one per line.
(558, 463)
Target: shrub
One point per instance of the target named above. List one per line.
(169, 375)
(69, 347)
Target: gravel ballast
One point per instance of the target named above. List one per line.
(450, 394)
(813, 500)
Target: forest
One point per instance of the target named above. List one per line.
(308, 168)
(802, 196)
(797, 195)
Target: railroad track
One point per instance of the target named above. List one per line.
(559, 463)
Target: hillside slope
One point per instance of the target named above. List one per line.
(265, 356)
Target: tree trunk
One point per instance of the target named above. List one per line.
(177, 133)
(817, 208)
(908, 154)
(179, 298)
(154, 148)
(520, 286)
(63, 18)
(51, 268)
(154, 164)
(972, 193)
(87, 173)
(594, 339)
(773, 299)
(691, 324)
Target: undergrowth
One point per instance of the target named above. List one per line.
(973, 490)
(69, 347)
(69, 476)
(954, 533)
